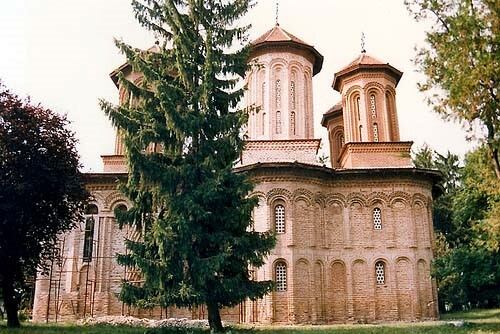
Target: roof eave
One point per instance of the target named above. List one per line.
(337, 78)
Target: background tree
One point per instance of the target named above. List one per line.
(467, 224)
(462, 64)
(41, 191)
(183, 134)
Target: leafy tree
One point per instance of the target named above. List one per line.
(462, 64)
(467, 265)
(41, 191)
(182, 134)
(449, 167)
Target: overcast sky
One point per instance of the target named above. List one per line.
(60, 52)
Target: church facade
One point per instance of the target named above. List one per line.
(354, 239)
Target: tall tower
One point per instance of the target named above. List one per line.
(279, 93)
(363, 128)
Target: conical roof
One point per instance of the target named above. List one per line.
(278, 36)
(365, 62)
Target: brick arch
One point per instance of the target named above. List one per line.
(112, 198)
(336, 197)
(281, 193)
(426, 305)
(360, 290)
(421, 221)
(378, 197)
(337, 292)
(281, 299)
(318, 292)
(400, 195)
(404, 274)
(278, 62)
(302, 293)
(319, 198)
(356, 197)
(373, 86)
(99, 200)
(296, 65)
(352, 90)
(303, 194)
(416, 198)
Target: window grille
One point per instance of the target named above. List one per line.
(292, 122)
(375, 132)
(373, 106)
(278, 122)
(278, 93)
(380, 272)
(280, 276)
(292, 94)
(377, 219)
(279, 219)
(88, 240)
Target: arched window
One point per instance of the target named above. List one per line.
(263, 94)
(88, 239)
(375, 132)
(280, 276)
(278, 122)
(373, 105)
(263, 123)
(278, 93)
(292, 94)
(292, 122)
(279, 219)
(377, 219)
(380, 272)
(361, 133)
(358, 112)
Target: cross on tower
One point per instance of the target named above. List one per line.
(277, 12)
(363, 42)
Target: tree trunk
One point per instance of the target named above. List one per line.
(494, 157)
(214, 317)
(10, 302)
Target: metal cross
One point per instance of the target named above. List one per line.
(277, 12)
(363, 42)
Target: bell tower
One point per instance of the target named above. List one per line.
(363, 128)
(280, 99)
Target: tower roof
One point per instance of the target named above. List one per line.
(278, 36)
(365, 62)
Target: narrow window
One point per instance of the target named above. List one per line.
(263, 94)
(280, 276)
(373, 106)
(361, 133)
(292, 122)
(380, 272)
(263, 122)
(357, 108)
(279, 219)
(377, 219)
(278, 93)
(292, 94)
(278, 122)
(375, 132)
(88, 239)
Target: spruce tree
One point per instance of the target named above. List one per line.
(183, 134)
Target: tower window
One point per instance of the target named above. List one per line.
(380, 272)
(278, 93)
(377, 219)
(278, 122)
(88, 239)
(375, 132)
(361, 133)
(373, 105)
(263, 127)
(358, 112)
(279, 219)
(292, 122)
(263, 94)
(292, 94)
(280, 276)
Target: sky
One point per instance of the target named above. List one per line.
(60, 53)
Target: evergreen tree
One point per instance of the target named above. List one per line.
(183, 134)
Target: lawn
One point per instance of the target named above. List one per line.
(477, 322)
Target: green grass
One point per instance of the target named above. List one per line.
(478, 322)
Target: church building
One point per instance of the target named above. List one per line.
(354, 239)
